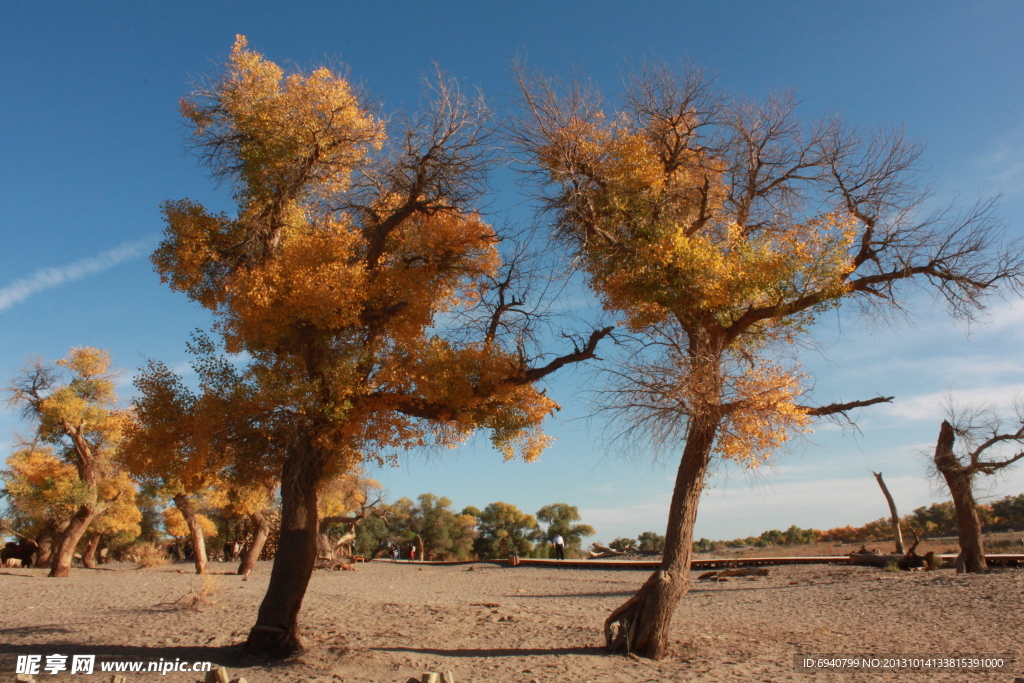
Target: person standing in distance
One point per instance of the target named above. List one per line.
(559, 544)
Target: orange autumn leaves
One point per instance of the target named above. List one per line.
(334, 275)
(664, 249)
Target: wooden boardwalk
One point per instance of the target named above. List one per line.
(996, 560)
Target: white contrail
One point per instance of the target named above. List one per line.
(47, 278)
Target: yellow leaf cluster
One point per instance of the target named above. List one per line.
(122, 515)
(85, 402)
(665, 247)
(175, 525)
(280, 125)
(763, 415)
(41, 487)
(345, 494)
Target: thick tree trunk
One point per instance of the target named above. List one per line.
(64, 550)
(85, 463)
(45, 540)
(958, 479)
(275, 634)
(644, 621)
(89, 556)
(189, 512)
(254, 548)
(896, 531)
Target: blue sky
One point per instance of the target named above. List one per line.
(91, 144)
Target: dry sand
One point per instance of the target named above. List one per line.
(389, 622)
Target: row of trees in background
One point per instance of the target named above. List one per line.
(437, 532)
(91, 480)
(938, 519)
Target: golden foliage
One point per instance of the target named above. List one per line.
(122, 515)
(345, 494)
(649, 210)
(83, 405)
(336, 307)
(71, 468)
(175, 524)
(41, 487)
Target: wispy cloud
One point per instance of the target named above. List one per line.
(48, 278)
(1002, 165)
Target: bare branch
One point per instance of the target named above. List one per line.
(585, 352)
(833, 408)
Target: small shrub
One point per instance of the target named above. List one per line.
(891, 566)
(198, 596)
(149, 555)
(206, 591)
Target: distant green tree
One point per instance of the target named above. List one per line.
(372, 537)
(560, 517)
(1008, 513)
(623, 544)
(503, 528)
(794, 535)
(939, 519)
(649, 540)
(438, 532)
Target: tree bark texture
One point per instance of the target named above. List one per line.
(275, 634)
(253, 549)
(959, 480)
(45, 540)
(644, 622)
(85, 463)
(896, 531)
(189, 512)
(64, 549)
(89, 556)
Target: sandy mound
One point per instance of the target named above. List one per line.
(389, 622)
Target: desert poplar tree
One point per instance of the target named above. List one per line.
(43, 492)
(171, 447)
(73, 405)
(254, 503)
(560, 517)
(982, 433)
(353, 236)
(720, 230)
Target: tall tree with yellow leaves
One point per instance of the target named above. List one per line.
(351, 239)
(43, 493)
(73, 405)
(720, 230)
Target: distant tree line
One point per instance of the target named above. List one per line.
(437, 532)
(938, 519)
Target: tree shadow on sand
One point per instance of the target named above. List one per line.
(218, 655)
(23, 631)
(497, 652)
(230, 656)
(598, 594)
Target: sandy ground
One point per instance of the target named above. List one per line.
(390, 622)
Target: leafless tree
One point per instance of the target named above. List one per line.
(982, 434)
